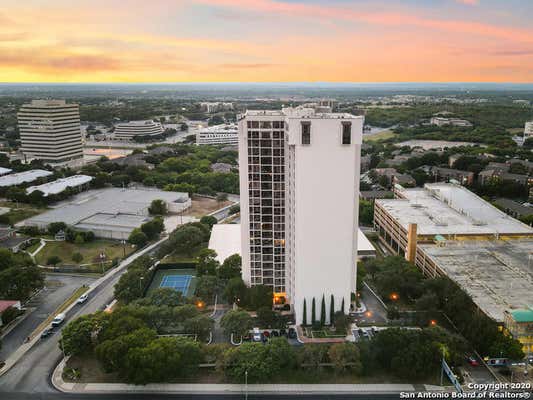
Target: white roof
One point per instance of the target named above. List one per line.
(4, 171)
(448, 209)
(226, 241)
(60, 185)
(23, 177)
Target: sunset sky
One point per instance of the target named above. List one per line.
(266, 40)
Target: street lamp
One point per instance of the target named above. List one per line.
(246, 385)
(140, 283)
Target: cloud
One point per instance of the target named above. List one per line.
(468, 2)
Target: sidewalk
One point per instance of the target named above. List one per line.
(202, 388)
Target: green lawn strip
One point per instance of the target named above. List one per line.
(384, 135)
(90, 251)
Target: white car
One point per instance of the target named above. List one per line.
(58, 320)
(256, 335)
(83, 298)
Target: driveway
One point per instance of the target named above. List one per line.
(58, 288)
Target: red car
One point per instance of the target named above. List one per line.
(472, 361)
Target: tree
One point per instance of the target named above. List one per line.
(152, 229)
(313, 312)
(158, 207)
(77, 336)
(342, 321)
(332, 310)
(342, 305)
(259, 296)
(187, 239)
(208, 220)
(138, 238)
(366, 212)
(207, 263)
(10, 314)
(234, 209)
(231, 267)
(235, 290)
(77, 257)
(206, 288)
(236, 322)
(323, 311)
(266, 318)
(162, 359)
(259, 362)
(345, 355)
(55, 227)
(53, 261)
(165, 297)
(304, 319)
(20, 280)
(314, 354)
(201, 326)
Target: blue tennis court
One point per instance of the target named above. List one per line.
(177, 282)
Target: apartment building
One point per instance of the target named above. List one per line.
(50, 131)
(528, 129)
(299, 179)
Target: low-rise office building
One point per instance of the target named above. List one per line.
(60, 185)
(131, 130)
(20, 178)
(441, 121)
(519, 323)
(110, 213)
(226, 134)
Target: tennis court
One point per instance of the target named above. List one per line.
(177, 282)
(182, 280)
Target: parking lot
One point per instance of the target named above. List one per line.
(58, 288)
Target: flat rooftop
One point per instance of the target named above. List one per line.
(226, 241)
(23, 177)
(109, 201)
(299, 112)
(497, 274)
(448, 209)
(60, 185)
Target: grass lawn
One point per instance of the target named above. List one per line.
(19, 211)
(378, 136)
(90, 251)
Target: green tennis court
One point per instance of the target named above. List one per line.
(182, 280)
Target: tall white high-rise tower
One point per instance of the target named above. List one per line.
(299, 191)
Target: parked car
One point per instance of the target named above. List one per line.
(83, 298)
(47, 332)
(275, 333)
(283, 332)
(292, 333)
(472, 361)
(58, 320)
(257, 336)
(266, 334)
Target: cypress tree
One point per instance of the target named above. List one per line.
(332, 310)
(323, 311)
(313, 312)
(304, 320)
(342, 305)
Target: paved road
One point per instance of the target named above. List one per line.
(32, 373)
(58, 288)
(378, 312)
(131, 396)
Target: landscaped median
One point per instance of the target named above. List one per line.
(214, 388)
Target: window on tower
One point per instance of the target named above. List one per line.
(346, 133)
(306, 132)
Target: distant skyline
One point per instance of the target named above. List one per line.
(266, 41)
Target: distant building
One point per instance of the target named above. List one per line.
(528, 129)
(10, 240)
(50, 131)
(446, 174)
(60, 185)
(226, 134)
(405, 180)
(519, 323)
(372, 195)
(440, 121)
(20, 178)
(365, 162)
(513, 208)
(221, 167)
(133, 160)
(211, 107)
(491, 175)
(133, 129)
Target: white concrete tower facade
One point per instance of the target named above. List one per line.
(50, 130)
(315, 192)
